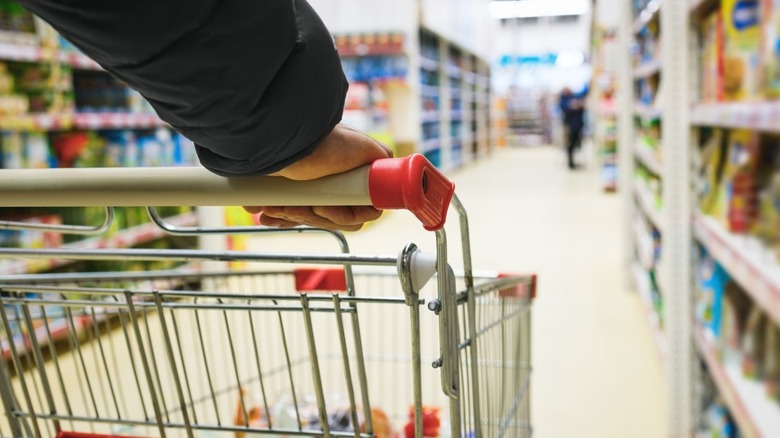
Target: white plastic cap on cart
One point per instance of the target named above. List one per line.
(422, 268)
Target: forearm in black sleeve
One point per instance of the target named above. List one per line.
(255, 84)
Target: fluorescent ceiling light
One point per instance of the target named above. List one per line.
(537, 8)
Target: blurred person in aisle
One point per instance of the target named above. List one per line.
(256, 85)
(572, 107)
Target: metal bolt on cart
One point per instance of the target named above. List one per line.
(342, 345)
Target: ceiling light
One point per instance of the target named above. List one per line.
(537, 8)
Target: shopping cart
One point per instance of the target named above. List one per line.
(339, 346)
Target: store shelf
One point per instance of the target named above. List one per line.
(645, 155)
(642, 284)
(644, 245)
(41, 122)
(429, 64)
(25, 52)
(117, 121)
(79, 61)
(53, 122)
(430, 145)
(126, 238)
(469, 77)
(454, 71)
(647, 69)
(647, 205)
(746, 259)
(430, 116)
(647, 111)
(763, 116)
(755, 414)
(648, 14)
(35, 53)
(429, 90)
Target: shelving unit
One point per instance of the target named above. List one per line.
(640, 170)
(643, 286)
(455, 97)
(746, 259)
(755, 414)
(695, 118)
(602, 97)
(126, 238)
(59, 108)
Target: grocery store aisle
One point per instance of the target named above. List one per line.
(597, 372)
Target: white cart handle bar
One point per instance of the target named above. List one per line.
(410, 183)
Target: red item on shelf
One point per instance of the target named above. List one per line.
(69, 146)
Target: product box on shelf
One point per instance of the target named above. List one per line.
(712, 279)
(772, 361)
(712, 58)
(753, 344)
(736, 184)
(26, 150)
(742, 48)
(770, 52)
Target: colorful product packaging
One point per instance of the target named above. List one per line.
(770, 51)
(739, 187)
(753, 344)
(736, 308)
(772, 361)
(712, 58)
(742, 48)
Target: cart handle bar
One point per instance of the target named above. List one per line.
(410, 183)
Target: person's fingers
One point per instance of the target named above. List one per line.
(253, 209)
(331, 218)
(342, 150)
(270, 221)
(348, 215)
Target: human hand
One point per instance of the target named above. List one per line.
(342, 150)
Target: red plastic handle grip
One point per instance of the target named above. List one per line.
(414, 184)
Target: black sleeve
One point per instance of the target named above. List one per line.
(256, 84)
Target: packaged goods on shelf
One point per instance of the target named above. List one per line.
(753, 344)
(722, 307)
(96, 91)
(711, 155)
(712, 279)
(370, 68)
(26, 150)
(718, 422)
(46, 86)
(741, 49)
(712, 58)
(14, 18)
(123, 148)
(770, 15)
(648, 90)
(735, 196)
(772, 362)
(739, 327)
(716, 419)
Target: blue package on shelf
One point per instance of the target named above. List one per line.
(713, 280)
